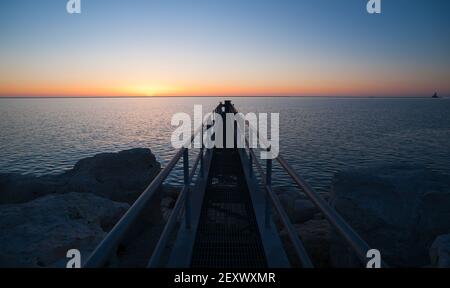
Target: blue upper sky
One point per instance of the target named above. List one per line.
(224, 47)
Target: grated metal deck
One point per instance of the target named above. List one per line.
(227, 234)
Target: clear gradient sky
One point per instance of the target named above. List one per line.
(224, 48)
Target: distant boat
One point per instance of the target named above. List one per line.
(435, 95)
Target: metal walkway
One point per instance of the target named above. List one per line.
(225, 215)
(228, 234)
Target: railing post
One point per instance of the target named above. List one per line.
(250, 161)
(202, 172)
(186, 184)
(269, 184)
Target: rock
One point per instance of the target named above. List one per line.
(440, 252)
(315, 235)
(169, 198)
(298, 208)
(57, 219)
(40, 232)
(15, 188)
(318, 216)
(121, 176)
(286, 201)
(304, 210)
(398, 210)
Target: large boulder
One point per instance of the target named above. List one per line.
(16, 188)
(40, 232)
(169, 197)
(298, 208)
(303, 210)
(315, 236)
(121, 176)
(398, 209)
(440, 252)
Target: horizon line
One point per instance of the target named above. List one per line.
(214, 96)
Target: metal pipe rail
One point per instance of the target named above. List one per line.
(158, 251)
(359, 246)
(296, 242)
(109, 245)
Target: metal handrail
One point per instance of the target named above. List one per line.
(157, 252)
(297, 243)
(359, 246)
(111, 242)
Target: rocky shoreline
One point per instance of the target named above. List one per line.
(403, 211)
(118, 176)
(42, 217)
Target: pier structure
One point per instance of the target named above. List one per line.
(227, 215)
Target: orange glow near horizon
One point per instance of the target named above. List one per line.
(336, 88)
(100, 81)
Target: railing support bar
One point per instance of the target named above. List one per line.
(295, 240)
(202, 168)
(157, 252)
(268, 184)
(250, 162)
(187, 199)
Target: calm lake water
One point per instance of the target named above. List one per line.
(319, 136)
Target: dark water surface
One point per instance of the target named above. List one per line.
(318, 136)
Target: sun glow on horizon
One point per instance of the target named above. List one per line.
(149, 90)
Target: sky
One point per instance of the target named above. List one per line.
(224, 48)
